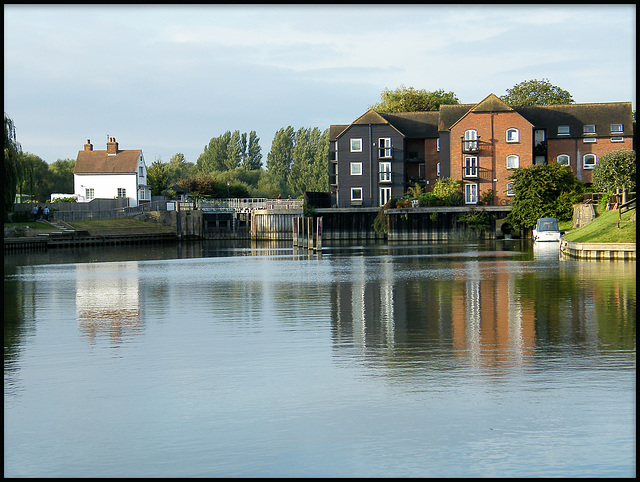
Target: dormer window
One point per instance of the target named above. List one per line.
(617, 129)
(563, 130)
(589, 130)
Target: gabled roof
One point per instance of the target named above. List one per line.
(578, 115)
(98, 162)
(450, 114)
(491, 103)
(416, 125)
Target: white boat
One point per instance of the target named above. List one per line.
(546, 230)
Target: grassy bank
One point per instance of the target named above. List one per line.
(604, 229)
(122, 225)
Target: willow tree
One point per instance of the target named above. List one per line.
(12, 154)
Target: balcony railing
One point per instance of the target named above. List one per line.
(470, 145)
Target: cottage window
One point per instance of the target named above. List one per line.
(356, 169)
(564, 130)
(141, 171)
(513, 162)
(470, 193)
(384, 148)
(122, 192)
(564, 160)
(513, 135)
(89, 193)
(589, 161)
(356, 145)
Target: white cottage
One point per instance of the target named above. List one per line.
(111, 174)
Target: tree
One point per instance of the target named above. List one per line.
(12, 151)
(253, 160)
(280, 157)
(34, 177)
(158, 177)
(411, 100)
(536, 92)
(215, 154)
(61, 175)
(616, 171)
(178, 168)
(310, 161)
(543, 190)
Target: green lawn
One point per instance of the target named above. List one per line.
(604, 229)
(122, 225)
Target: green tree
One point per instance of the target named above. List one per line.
(61, 175)
(310, 161)
(543, 190)
(253, 160)
(280, 157)
(215, 153)
(158, 177)
(12, 151)
(536, 92)
(405, 99)
(34, 178)
(178, 168)
(616, 171)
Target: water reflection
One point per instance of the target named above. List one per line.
(108, 300)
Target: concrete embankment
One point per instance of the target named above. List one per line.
(603, 251)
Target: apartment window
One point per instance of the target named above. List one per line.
(141, 171)
(617, 139)
(89, 193)
(510, 191)
(513, 135)
(384, 148)
(470, 193)
(513, 162)
(617, 128)
(470, 140)
(122, 192)
(356, 194)
(589, 161)
(356, 169)
(564, 160)
(385, 195)
(385, 172)
(438, 169)
(589, 140)
(564, 130)
(471, 166)
(356, 145)
(589, 130)
(438, 144)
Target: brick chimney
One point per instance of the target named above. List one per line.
(112, 146)
(88, 146)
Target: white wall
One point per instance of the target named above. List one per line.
(106, 186)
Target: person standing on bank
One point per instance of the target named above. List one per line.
(46, 213)
(34, 212)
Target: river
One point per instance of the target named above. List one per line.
(233, 359)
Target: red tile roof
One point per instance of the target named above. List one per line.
(98, 162)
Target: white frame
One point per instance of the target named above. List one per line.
(471, 140)
(471, 169)
(122, 192)
(616, 130)
(568, 163)
(384, 171)
(385, 195)
(355, 144)
(353, 191)
(513, 157)
(568, 133)
(89, 193)
(509, 189)
(584, 161)
(587, 132)
(384, 144)
(354, 167)
(470, 193)
(515, 138)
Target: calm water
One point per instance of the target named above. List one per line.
(209, 359)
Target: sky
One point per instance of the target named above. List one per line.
(168, 78)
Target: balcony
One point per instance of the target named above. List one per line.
(470, 146)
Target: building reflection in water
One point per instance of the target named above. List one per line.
(108, 300)
(474, 311)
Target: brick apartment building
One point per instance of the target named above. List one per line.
(378, 156)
